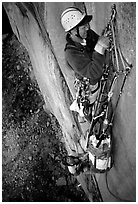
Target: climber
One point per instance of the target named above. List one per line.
(84, 50)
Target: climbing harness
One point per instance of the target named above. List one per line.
(85, 95)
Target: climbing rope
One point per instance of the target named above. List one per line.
(117, 197)
(126, 70)
(126, 66)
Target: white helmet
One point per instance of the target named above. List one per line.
(71, 17)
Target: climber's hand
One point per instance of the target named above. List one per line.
(104, 41)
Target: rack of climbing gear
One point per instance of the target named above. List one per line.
(84, 91)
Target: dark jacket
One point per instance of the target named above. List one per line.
(84, 60)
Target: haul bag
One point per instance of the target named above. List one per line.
(100, 158)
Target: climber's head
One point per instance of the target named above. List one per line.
(76, 22)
